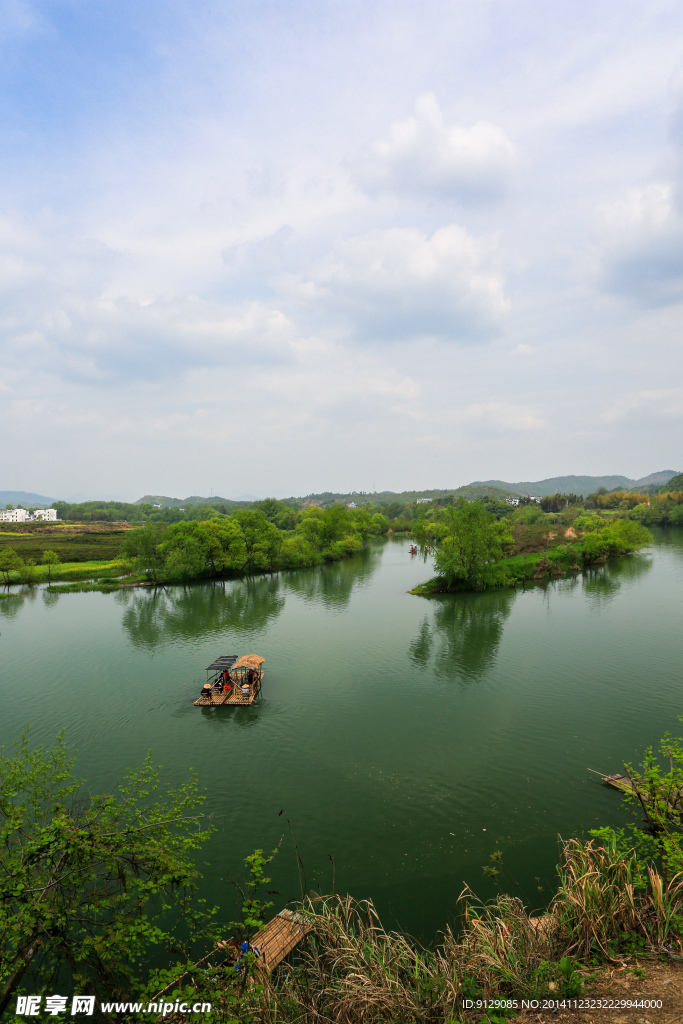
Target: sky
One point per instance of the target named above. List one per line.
(285, 247)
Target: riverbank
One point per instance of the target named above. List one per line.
(245, 543)
(590, 958)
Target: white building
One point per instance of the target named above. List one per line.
(20, 515)
(512, 501)
(351, 504)
(13, 515)
(422, 501)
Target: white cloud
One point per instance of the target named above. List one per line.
(656, 403)
(641, 212)
(501, 415)
(426, 155)
(67, 310)
(400, 284)
(641, 241)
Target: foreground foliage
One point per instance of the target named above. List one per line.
(92, 885)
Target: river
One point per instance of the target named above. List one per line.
(406, 739)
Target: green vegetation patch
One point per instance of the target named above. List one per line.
(474, 549)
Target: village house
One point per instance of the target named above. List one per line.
(21, 515)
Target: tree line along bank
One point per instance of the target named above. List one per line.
(548, 537)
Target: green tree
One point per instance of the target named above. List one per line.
(262, 539)
(379, 524)
(624, 536)
(143, 548)
(51, 560)
(225, 545)
(310, 525)
(10, 562)
(28, 573)
(90, 886)
(184, 548)
(472, 540)
(656, 793)
(336, 523)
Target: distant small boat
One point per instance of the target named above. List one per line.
(232, 680)
(413, 549)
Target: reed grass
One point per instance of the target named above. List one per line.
(608, 906)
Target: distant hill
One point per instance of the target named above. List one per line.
(674, 483)
(386, 497)
(194, 499)
(577, 484)
(662, 477)
(24, 498)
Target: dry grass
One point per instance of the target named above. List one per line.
(353, 971)
(605, 895)
(350, 970)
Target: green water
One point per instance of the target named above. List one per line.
(406, 737)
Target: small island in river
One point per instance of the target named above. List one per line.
(474, 549)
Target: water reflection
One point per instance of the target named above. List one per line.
(155, 617)
(11, 601)
(463, 635)
(603, 583)
(10, 604)
(332, 584)
(670, 537)
(241, 718)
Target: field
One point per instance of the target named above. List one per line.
(86, 551)
(73, 542)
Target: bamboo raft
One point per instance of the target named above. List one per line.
(234, 697)
(245, 675)
(625, 785)
(274, 941)
(621, 782)
(278, 938)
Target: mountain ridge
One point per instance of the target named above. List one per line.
(582, 485)
(24, 498)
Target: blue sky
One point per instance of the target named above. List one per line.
(281, 247)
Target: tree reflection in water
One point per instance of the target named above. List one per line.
(10, 605)
(332, 584)
(154, 617)
(463, 634)
(603, 583)
(14, 600)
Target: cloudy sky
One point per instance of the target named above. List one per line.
(280, 247)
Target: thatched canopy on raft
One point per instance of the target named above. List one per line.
(249, 661)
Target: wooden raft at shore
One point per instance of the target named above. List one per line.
(279, 937)
(274, 941)
(621, 782)
(624, 783)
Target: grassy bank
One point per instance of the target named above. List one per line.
(69, 572)
(515, 570)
